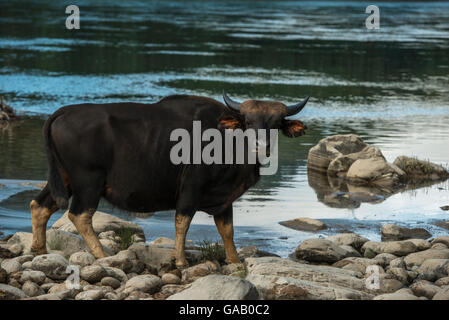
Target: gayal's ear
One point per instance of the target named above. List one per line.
(293, 128)
(229, 122)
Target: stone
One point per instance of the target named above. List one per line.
(418, 170)
(82, 259)
(433, 269)
(341, 164)
(27, 265)
(8, 292)
(350, 239)
(48, 286)
(332, 147)
(233, 268)
(67, 242)
(304, 224)
(321, 282)
(168, 290)
(392, 232)
(253, 251)
(439, 246)
(374, 171)
(48, 296)
(116, 273)
(420, 244)
(218, 287)
(23, 259)
(32, 289)
(63, 292)
(24, 239)
(320, 250)
(125, 260)
(399, 248)
(443, 294)
(169, 278)
(400, 274)
(384, 259)
(161, 258)
(423, 288)
(111, 244)
(101, 222)
(110, 235)
(90, 295)
(442, 282)
(193, 273)
(111, 282)
(399, 295)
(147, 283)
(93, 274)
(11, 266)
(443, 239)
(37, 277)
(163, 241)
(53, 265)
(417, 258)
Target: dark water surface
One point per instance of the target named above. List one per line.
(390, 86)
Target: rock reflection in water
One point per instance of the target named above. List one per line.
(335, 192)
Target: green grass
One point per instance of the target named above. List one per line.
(126, 237)
(415, 166)
(212, 251)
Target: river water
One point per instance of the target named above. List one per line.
(390, 86)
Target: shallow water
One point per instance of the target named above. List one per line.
(390, 86)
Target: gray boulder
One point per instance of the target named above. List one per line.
(320, 250)
(350, 239)
(394, 232)
(304, 224)
(218, 287)
(376, 171)
(147, 283)
(279, 278)
(53, 265)
(11, 293)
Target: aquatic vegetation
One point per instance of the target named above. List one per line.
(126, 237)
(212, 251)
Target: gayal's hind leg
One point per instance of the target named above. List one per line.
(225, 226)
(39, 217)
(83, 223)
(182, 224)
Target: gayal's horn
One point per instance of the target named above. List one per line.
(294, 109)
(233, 105)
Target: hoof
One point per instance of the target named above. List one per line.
(182, 264)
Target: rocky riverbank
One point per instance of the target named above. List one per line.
(341, 266)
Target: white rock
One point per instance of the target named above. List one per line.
(31, 289)
(34, 276)
(147, 283)
(417, 258)
(218, 287)
(93, 274)
(53, 265)
(82, 259)
(8, 292)
(11, 266)
(350, 239)
(90, 295)
(169, 278)
(320, 250)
